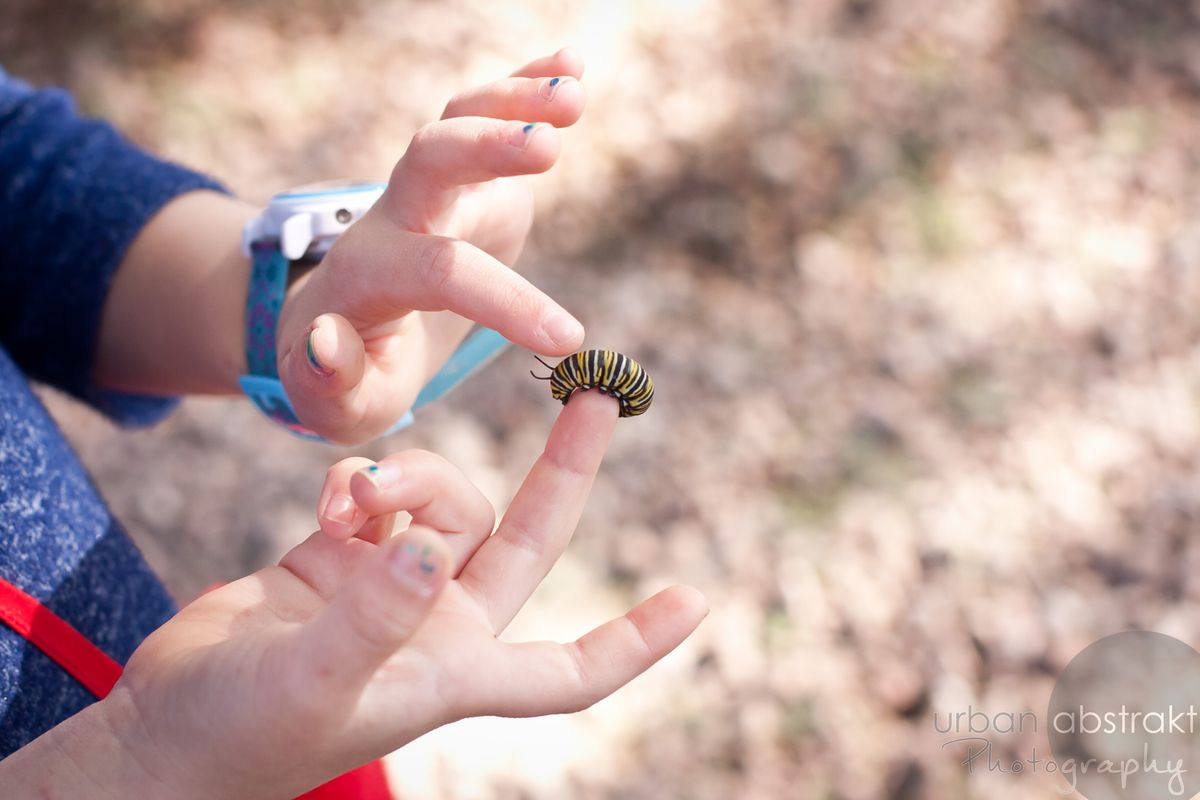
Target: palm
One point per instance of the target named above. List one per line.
(454, 658)
(399, 289)
(449, 669)
(495, 217)
(243, 622)
(326, 660)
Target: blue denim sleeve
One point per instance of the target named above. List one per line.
(73, 195)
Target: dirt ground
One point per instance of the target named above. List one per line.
(918, 283)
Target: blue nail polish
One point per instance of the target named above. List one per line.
(310, 352)
(548, 89)
(520, 137)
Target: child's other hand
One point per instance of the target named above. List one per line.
(361, 334)
(349, 649)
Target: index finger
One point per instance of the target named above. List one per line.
(386, 270)
(542, 516)
(566, 61)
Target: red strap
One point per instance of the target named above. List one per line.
(368, 782)
(69, 648)
(92, 667)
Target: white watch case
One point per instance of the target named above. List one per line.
(309, 219)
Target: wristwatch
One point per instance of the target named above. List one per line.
(296, 230)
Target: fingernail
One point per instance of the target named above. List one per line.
(562, 328)
(383, 476)
(522, 133)
(416, 566)
(340, 509)
(550, 88)
(310, 352)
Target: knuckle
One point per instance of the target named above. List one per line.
(419, 457)
(423, 137)
(345, 465)
(440, 262)
(484, 136)
(517, 302)
(566, 463)
(517, 90)
(424, 463)
(584, 695)
(416, 156)
(521, 538)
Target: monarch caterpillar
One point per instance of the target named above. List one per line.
(612, 373)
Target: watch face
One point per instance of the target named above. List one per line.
(323, 188)
(307, 220)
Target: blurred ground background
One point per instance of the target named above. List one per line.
(918, 283)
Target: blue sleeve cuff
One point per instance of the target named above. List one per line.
(75, 195)
(131, 410)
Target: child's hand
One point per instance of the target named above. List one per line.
(349, 649)
(361, 334)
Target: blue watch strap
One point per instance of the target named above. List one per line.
(264, 301)
(269, 397)
(268, 286)
(479, 348)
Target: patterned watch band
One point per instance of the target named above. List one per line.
(264, 301)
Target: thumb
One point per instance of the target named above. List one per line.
(377, 609)
(322, 370)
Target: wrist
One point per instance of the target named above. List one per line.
(174, 319)
(93, 754)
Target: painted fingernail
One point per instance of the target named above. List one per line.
(562, 328)
(310, 352)
(550, 88)
(340, 509)
(383, 476)
(522, 134)
(416, 566)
